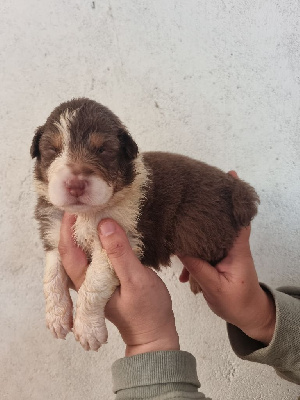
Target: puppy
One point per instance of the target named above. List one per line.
(88, 164)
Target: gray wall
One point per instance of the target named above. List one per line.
(216, 80)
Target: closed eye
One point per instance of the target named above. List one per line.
(52, 151)
(100, 149)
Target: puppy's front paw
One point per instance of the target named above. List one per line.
(60, 321)
(90, 333)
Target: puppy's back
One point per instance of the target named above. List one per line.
(191, 208)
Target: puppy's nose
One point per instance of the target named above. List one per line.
(76, 187)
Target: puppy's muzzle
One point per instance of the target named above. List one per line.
(76, 187)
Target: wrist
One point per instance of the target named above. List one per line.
(263, 319)
(166, 342)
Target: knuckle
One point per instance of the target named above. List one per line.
(117, 249)
(199, 265)
(196, 266)
(219, 286)
(62, 249)
(131, 284)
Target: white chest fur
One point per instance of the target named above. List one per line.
(100, 281)
(124, 208)
(85, 232)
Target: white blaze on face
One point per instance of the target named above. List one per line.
(63, 125)
(97, 191)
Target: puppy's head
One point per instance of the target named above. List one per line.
(84, 155)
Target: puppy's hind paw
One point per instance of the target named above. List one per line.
(91, 335)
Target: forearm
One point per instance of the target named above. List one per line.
(156, 375)
(283, 351)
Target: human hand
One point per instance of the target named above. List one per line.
(141, 307)
(232, 291)
(72, 256)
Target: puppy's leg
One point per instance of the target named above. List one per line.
(59, 307)
(99, 284)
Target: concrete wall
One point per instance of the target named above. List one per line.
(216, 80)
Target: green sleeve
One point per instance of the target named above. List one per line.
(283, 352)
(160, 375)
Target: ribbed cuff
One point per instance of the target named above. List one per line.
(283, 351)
(160, 367)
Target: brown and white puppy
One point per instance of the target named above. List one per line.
(88, 164)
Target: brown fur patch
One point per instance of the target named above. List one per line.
(47, 215)
(81, 168)
(96, 140)
(191, 208)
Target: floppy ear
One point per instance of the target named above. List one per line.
(34, 149)
(128, 145)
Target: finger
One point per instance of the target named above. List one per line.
(241, 245)
(234, 174)
(67, 246)
(71, 284)
(73, 258)
(184, 276)
(239, 257)
(66, 231)
(204, 273)
(116, 244)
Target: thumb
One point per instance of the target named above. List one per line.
(241, 245)
(116, 244)
(204, 273)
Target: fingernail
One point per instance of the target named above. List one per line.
(107, 228)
